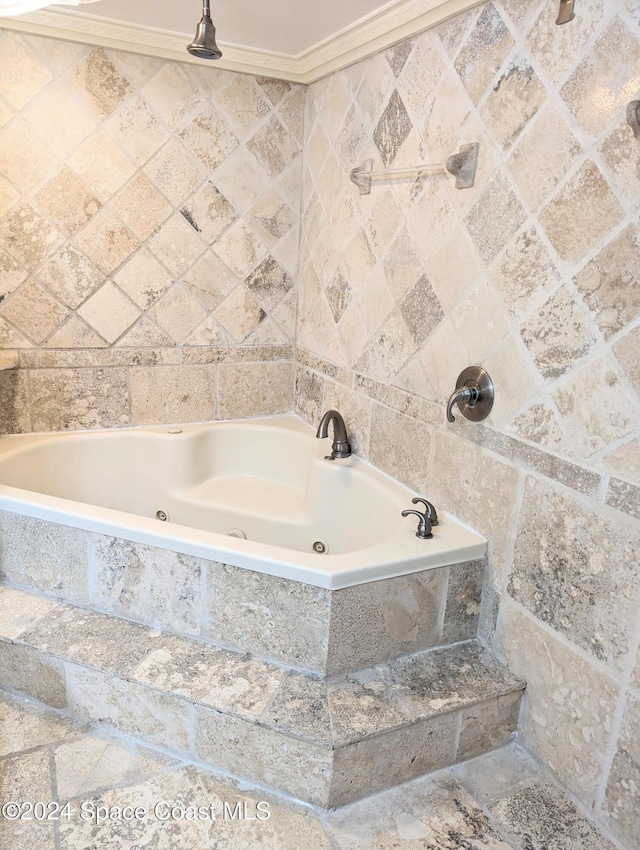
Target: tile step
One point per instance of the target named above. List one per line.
(327, 741)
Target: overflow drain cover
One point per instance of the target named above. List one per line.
(163, 516)
(319, 547)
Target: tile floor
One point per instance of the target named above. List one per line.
(126, 796)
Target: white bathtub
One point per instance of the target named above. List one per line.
(266, 479)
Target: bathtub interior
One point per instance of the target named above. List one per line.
(268, 480)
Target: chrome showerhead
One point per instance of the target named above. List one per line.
(204, 44)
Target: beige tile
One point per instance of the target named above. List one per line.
(483, 52)
(559, 334)
(8, 196)
(569, 220)
(73, 334)
(25, 159)
(70, 275)
(158, 587)
(172, 95)
(56, 54)
(227, 681)
(175, 171)
(26, 726)
(254, 389)
(67, 201)
(513, 101)
(524, 272)
(268, 616)
(102, 166)
(607, 283)
(617, 152)
(625, 351)
(106, 241)
(176, 244)
(34, 311)
(72, 399)
(555, 48)
(22, 75)
(612, 68)
(154, 716)
(99, 83)
(543, 156)
(569, 704)
(109, 312)
(274, 147)
(93, 762)
(559, 575)
(512, 372)
(595, 407)
(208, 137)
(141, 207)
(143, 279)
(244, 105)
(209, 280)
(20, 610)
(167, 394)
(28, 237)
(480, 337)
(33, 674)
(43, 114)
(14, 397)
(495, 217)
(23, 776)
(178, 313)
(136, 129)
(240, 314)
(625, 460)
(209, 212)
(13, 274)
(489, 725)
(240, 179)
(398, 457)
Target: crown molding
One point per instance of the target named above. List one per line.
(371, 34)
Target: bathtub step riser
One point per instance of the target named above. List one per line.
(317, 772)
(324, 631)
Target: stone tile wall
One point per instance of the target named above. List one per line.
(149, 217)
(533, 274)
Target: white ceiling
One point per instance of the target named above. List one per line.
(298, 40)
(275, 26)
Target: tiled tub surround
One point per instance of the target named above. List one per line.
(326, 741)
(306, 627)
(532, 274)
(148, 242)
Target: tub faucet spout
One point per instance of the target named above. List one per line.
(340, 446)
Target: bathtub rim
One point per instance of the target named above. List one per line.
(401, 554)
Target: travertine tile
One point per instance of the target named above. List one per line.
(243, 90)
(106, 241)
(19, 610)
(178, 313)
(25, 725)
(22, 75)
(604, 413)
(209, 212)
(559, 575)
(513, 101)
(622, 795)
(172, 95)
(33, 311)
(176, 244)
(569, 704)
(240, 314)
(25, 778)
(462, 609)
(103, 166)
(146, 583)
(274, 147)
(524, 272)
(143, 279)
(299, 767)
(26, 160)
(483, 52)
(28, 237)
(568, 219)
(494, 218)
(44, 555)
(399, 458)
(156, 717)
(542, 818)
(210, 280)
(141, 207)
(99, 83)
(33, 674)
(72, 399)
(254, 613)
(91, 638)
(558, 334)
(383, 619)
(625, 351)
(301, 706)
(607, 283)
(612, 68)
(254, 389)
(90, 763)
(488, 725)
(67, 201)
(543, 156)
(175, 171)
(209, 138)
(136, 129)
(431, 814)
(226, 681)
(617, 152)
(109, 312)
(70, 275)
